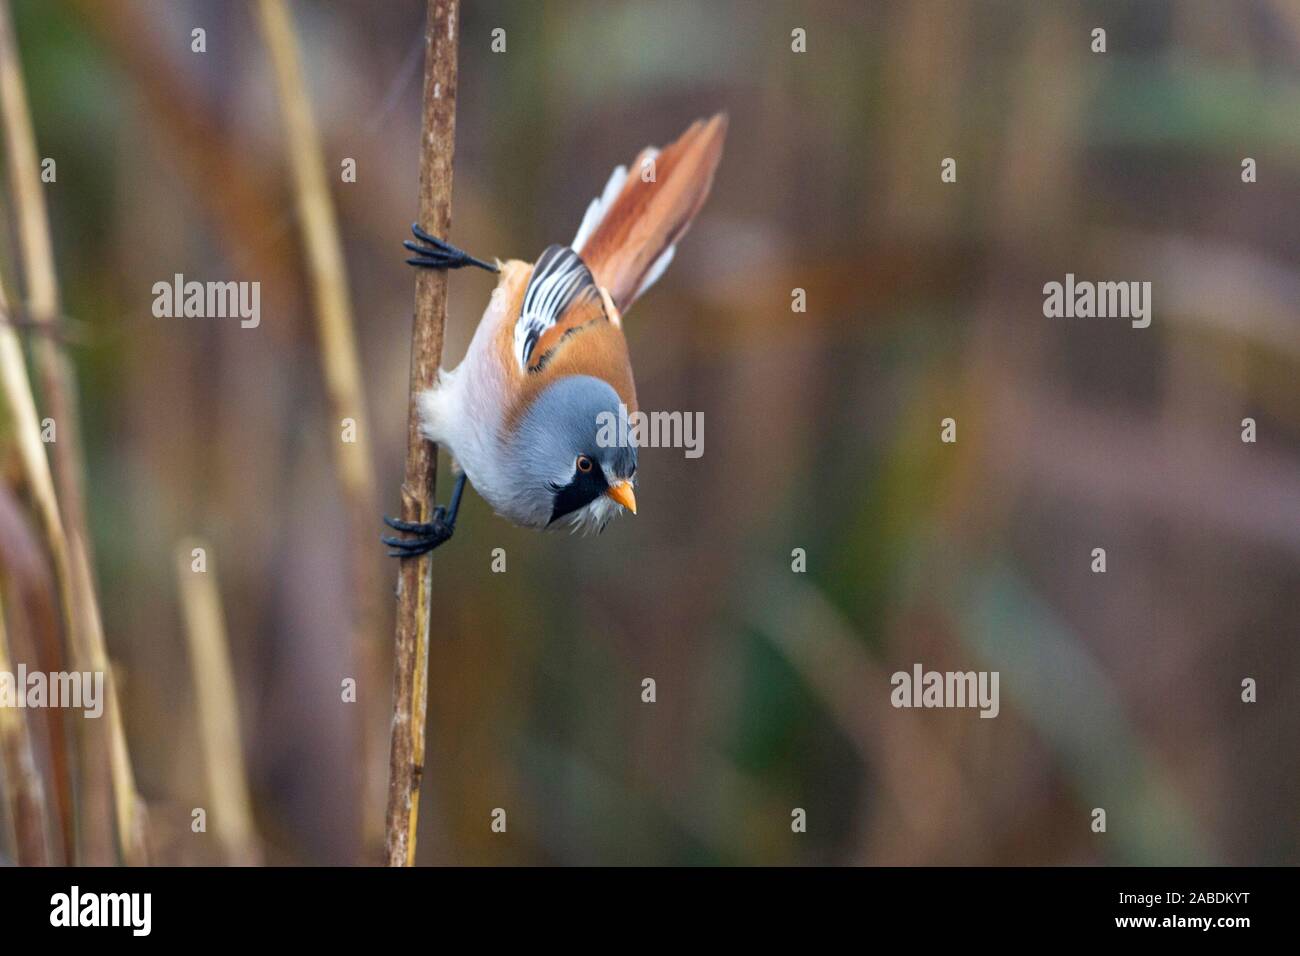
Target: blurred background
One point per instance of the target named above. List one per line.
(924, 301)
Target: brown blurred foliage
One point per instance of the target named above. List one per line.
(1119, 690)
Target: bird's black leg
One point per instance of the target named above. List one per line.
(427, 535)
(436, 254)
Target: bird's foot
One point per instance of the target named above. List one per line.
(427, 535)
(434, 253)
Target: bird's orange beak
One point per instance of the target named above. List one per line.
(622, 493)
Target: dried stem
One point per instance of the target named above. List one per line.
(67, 526)
(23, 790)
(414, 607)
(218, 705)
(352, 459)
(35, 468)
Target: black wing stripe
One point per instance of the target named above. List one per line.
(559, 280)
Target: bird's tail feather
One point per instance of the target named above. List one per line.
(629, 234)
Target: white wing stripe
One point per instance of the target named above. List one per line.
(559, 279)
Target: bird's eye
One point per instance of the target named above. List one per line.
(584, 464)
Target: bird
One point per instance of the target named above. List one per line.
(521, 413)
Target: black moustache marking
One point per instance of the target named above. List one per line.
(581, 491)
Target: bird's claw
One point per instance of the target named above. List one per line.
(434, 253)
(427, 535)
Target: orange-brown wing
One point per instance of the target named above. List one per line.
(561, 297)
(600, 350)
(565, 327)
(629, 234)
(579, 317)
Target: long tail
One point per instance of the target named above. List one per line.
(629, 233)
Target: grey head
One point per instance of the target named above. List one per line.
(568, 463)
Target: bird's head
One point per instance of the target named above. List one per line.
(572, 471)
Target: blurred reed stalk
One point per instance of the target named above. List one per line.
(414, 594)
(62, 515)
(352, 460)
(36, 477)
(23, 792)
(218, 705)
